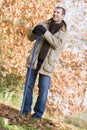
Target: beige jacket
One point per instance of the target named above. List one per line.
(56, 41)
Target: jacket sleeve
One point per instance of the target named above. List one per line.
(55, 41)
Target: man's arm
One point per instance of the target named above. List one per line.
(55, 41)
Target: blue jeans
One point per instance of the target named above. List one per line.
(43, 85)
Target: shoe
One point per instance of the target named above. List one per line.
(34, 116)
(26, 116)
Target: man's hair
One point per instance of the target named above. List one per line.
(63, 10)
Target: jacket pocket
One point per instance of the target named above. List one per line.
(52, 57)
(49, 68)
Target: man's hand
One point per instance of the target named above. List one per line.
(39, 30)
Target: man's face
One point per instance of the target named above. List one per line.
(57, 15)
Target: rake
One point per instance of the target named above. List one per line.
(27, 82)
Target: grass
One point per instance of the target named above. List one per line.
(76, 121)
(11, 89)
(4, 126)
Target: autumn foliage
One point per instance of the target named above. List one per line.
(68, 87)
(69, 84)
(17, 17)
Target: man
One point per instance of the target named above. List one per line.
(51, 41)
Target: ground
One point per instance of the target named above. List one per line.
(11, 116)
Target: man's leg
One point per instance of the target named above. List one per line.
(29, 93)
(44, 84)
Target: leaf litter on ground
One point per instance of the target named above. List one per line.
(12, 116)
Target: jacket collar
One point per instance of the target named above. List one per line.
(64, 27)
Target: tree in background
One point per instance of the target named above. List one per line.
(68, 89)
